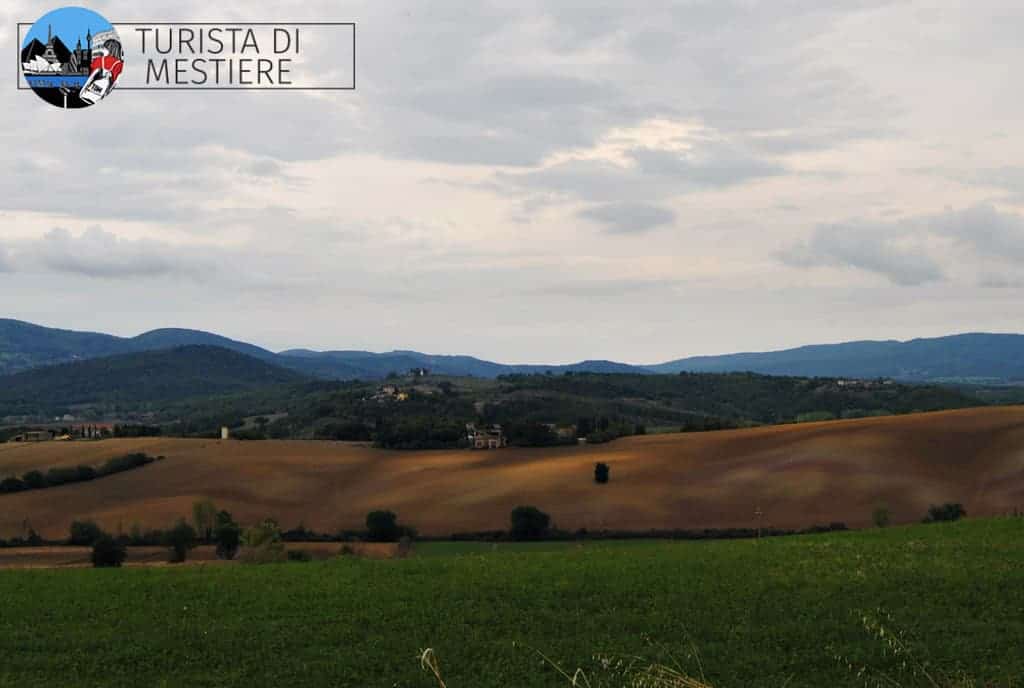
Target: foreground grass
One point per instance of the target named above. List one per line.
(773, 613)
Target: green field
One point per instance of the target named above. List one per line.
(769, 613)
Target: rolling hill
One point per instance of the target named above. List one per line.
(796, 475)
(138, 378)
(966, 358)
(24, 346)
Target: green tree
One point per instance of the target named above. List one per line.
(85, 533)
(529, 523)
(180, 539)
(108, 553)
(382, 526)
(263, 543)
(881, 517)
(227, 535)
(204, 518)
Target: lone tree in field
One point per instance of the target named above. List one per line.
(108, 553)
(85, 533)
(881, 517)
(946, 512)
(601, 473)
(227, 535)
(382, 526)
(529, 523)
(181, 538)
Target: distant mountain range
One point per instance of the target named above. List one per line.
(958, 358)
(987, 358)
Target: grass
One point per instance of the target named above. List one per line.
(780, 612)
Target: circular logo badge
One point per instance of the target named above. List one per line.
(72, 58)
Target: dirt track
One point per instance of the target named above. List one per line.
(797, 476)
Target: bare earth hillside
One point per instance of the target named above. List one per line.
(797, 475)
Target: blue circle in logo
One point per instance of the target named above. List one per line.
(72, 58)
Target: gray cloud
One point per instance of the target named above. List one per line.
(711, 164)
(629, 218)
(983, 228)
(100, 254)
(1001, 282)
(864, 247)
(899, 250)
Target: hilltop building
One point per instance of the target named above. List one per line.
(490, 437)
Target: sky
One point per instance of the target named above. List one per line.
(543, 182)
(71, 24)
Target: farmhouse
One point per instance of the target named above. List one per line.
(390, 393)
(33, 436)
(490, 437)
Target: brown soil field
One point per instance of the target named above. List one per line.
(797, 475)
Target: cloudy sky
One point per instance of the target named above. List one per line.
(543, 182)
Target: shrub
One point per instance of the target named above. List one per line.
(815, 417)
(228, 537)
(299, 555)
(180, 539)
(529, 523)
(107, 553)
(881, 517)
(64, 476)
(382, 526)
(85, 533)
(34, 480)
(263, 543)
(11, 485)
(124, 463)
(945, 512)
(601, 473)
